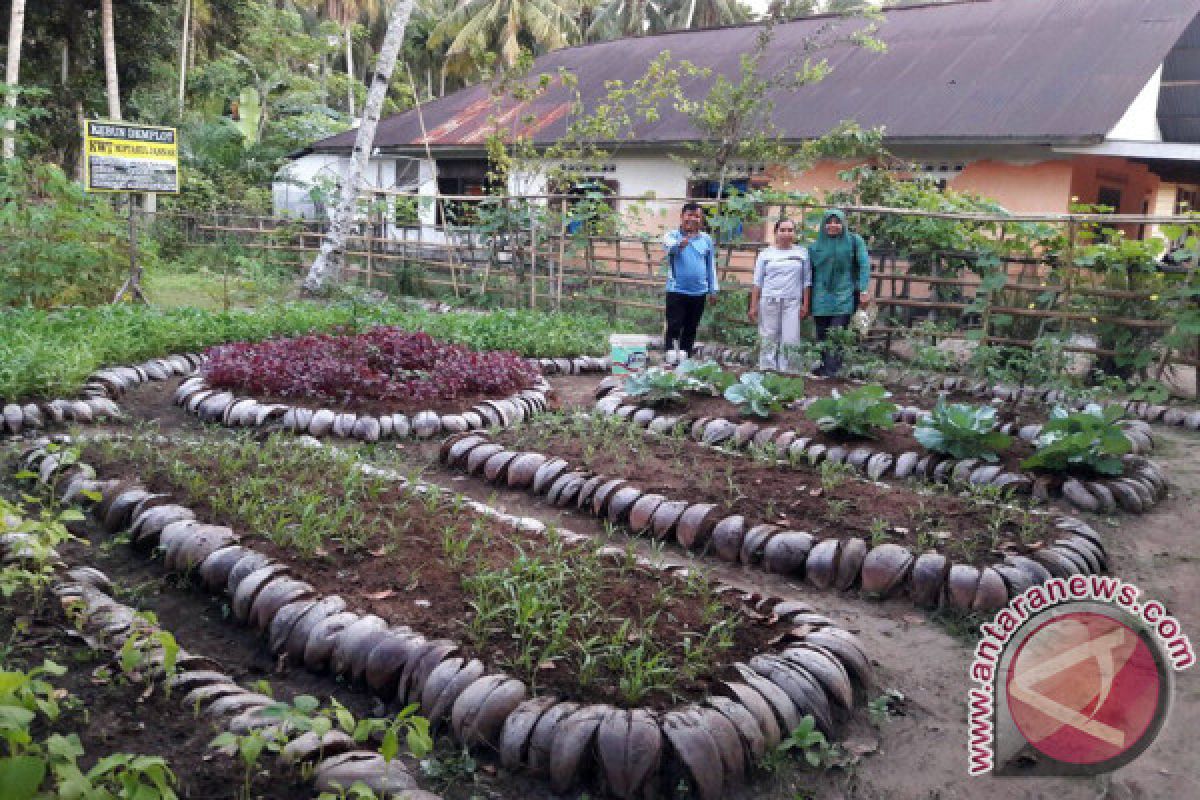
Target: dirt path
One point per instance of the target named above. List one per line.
(922, 752)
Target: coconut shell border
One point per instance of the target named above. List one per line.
(884, 571)
(628, 748)
(1140, 489)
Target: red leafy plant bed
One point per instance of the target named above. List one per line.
(384, 368)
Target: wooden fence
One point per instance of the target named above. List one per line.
(546, 264)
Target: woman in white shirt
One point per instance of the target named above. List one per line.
(780, 297)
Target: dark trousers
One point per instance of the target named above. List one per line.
(683, 317)
(831, 356)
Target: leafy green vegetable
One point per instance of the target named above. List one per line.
(657, 386)
(1087, 440)
(962, 431)
(760, 394)
(708, 372)
(859, 412)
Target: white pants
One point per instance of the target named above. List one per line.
(778, 324)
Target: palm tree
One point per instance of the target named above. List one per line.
(419, 52)
(110, 60)
(12, 69)
(632, 18)
(327, 266)
(504, 26)
(709, 13)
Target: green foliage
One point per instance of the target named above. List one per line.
(806, 741)
(708, 372)
(549, 603)
(34, 571)
(61, 246)
(962, 431)
(762, 394)
(859, 412)
(1088, 441)
(657, 386)
(27, 762)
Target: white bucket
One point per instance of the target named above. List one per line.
(628, 352)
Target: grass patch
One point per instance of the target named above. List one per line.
(46, 354)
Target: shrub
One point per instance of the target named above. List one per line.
(962, 431)
(760, 394)
(1088, 440)
(858, 413)
(61, 246)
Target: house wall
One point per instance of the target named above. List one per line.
(1043, 187)
(291, 190)
(1136, 183)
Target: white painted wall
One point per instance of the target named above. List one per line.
(1140, 121)
(291, 189)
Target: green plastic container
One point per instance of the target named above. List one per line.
(628, 352)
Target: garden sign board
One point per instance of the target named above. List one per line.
(123, 157)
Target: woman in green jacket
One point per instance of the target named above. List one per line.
(841, 272)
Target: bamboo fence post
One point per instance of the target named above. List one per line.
(533, 262)
(562, 250)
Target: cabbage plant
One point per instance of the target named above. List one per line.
(859, 412)
(1089, 440)
(759, 394)
(962, 431)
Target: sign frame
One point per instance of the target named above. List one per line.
(135, 142)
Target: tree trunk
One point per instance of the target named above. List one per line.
(16, 30)
(183, 52)
(350, 69)
(110, 59)
(327, 267)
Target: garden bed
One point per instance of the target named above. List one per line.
(879, 568)
(893, 453)
(813, 669)
(828, 503)
(433, 564)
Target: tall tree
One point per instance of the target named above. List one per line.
(504, 27)
(618, 18)
(710, 13)
(185, 38)
(111, 88)
(327, 267)
(12, 69)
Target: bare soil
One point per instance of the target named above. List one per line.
(764, 492)
(920, 752)
(895, 440)
(402, 573)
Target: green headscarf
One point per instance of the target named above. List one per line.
(834, 260)
(832, 249)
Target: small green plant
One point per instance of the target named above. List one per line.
(962, 431)
(707, 372)
(859, 412)
(879, 532)
(834, 473)
(759, 394)
(657, 386)
(885, 706)
(1088, 440)
(148, 648)
(809, 742)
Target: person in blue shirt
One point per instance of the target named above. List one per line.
(691, 278)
